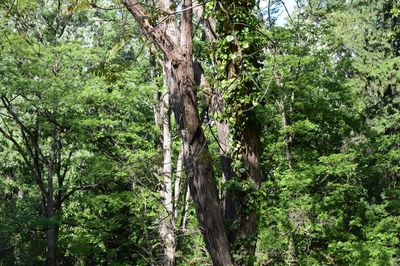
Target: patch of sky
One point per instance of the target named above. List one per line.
(282, 9)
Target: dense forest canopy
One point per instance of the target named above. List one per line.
(197, 132)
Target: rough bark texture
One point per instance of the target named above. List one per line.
(230, 204)
(247, 229)
(243, 236)
(250, 137)
(215, 105)
(198, 162)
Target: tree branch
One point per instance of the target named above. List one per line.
(36, 175)
(70, 193)
(161, 39)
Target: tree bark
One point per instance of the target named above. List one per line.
(245, 216)
(246, 133)
(198, 161)
(230, 204)
(177, 185)
(167, 225)
(170, 192)
(185, 209)
(162, 116)
(185, 202)
(215, 104)
(251, 153)
(287, 139)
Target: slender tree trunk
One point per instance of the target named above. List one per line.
(167, 217)
(287, 138)
(51, 234)
(177, 185)
(287, 141)
(185, 201)
(185, 209)
(167, 225)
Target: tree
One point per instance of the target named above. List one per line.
(198, 163)
(56, 103)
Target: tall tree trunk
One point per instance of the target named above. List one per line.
(247, 129)
(169, 195)
(198, 161)
(185, 201)
(245, 216)
(287, 138)
(215, 105)
(167, 217)
(230, 204)
(247, 230)
(168, 223)
(177, 185)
